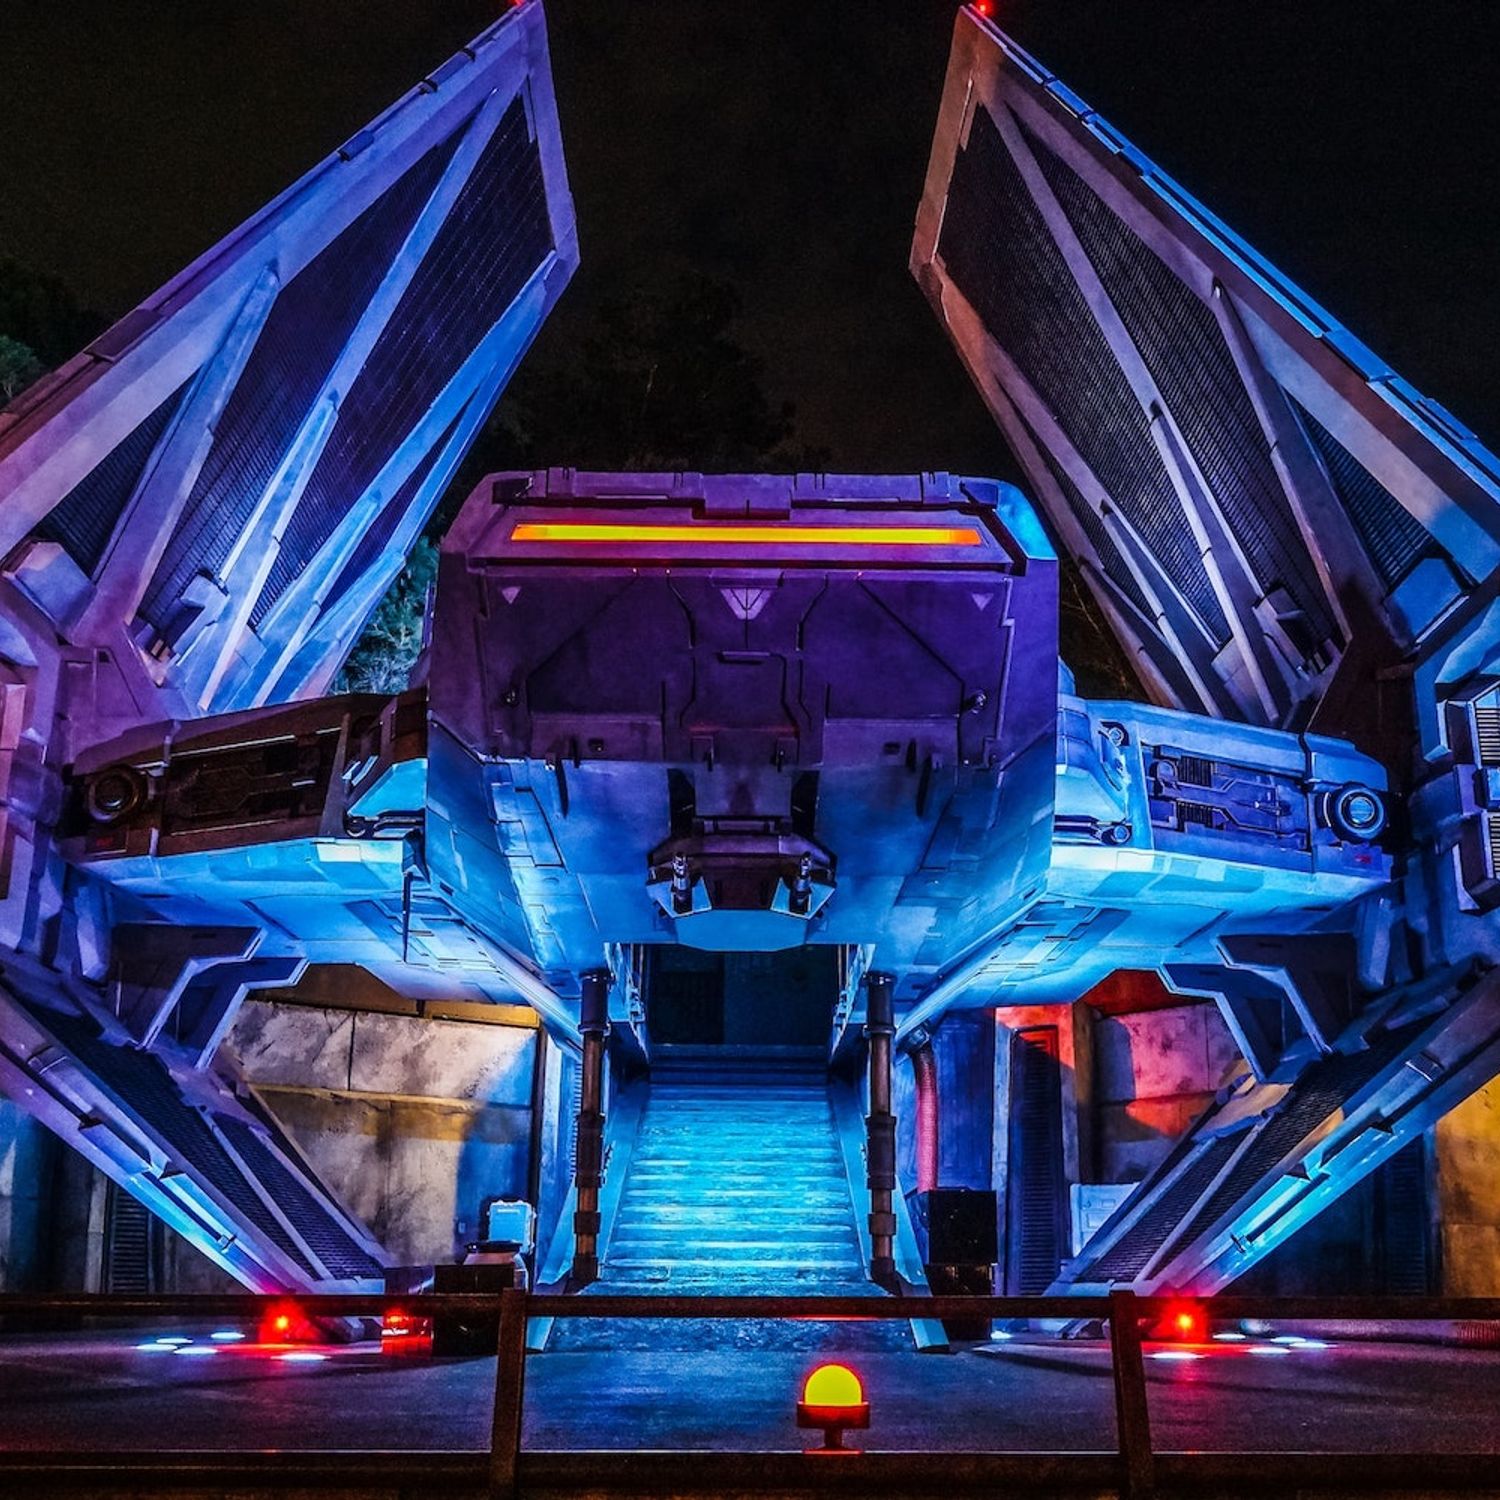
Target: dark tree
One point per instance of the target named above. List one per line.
(660, 383)
(39, 311)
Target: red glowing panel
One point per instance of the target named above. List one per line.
(752, 536)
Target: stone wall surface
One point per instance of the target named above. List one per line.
(1154, 1073)
(1468, 1192)
(413, 1123)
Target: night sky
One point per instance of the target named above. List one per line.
(781, 147)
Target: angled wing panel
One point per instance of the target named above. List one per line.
(1266, 512)
(189, 494)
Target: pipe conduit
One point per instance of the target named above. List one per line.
(924, 1071)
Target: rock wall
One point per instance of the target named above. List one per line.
(1155, 1072)
(1468, 1194)
(412, 1122)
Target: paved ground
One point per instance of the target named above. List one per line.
(104, 1392)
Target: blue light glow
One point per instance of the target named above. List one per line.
(1230, 1338)
(172, 1340)
(1176, 1354)
(227, 1336)
(196, 1349)
(1270, 1349)
(301, 1357)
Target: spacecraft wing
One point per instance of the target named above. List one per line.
(1265, 511)
(223, 484)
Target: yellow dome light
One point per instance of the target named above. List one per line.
(834, 1400)
(833, 1385)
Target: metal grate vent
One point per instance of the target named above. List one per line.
(1487, 733)
(1395, 540)
(496, 235)
(83, 521)
(997, 249)
(1179, 340)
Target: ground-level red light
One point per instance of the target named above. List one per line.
(984, 8)
(286, 1323)
(834, 1400)
(1184, 1323)
(401, 1332)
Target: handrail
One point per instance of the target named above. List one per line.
(1136, 1466)
(1221, 1306)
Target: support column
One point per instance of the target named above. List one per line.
(588, 1157)
(880, 1127)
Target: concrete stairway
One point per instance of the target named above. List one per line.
(736, 1185)
(736, 1182)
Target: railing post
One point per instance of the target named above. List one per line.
(588, 1156)
(880, 1126)
(510, 1385)
(1132, 1415)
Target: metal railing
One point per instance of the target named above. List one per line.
(508, 1470)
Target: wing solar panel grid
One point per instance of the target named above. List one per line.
(1132, 1252)
(83, 521)
(341, 1255)
(1326, 1086)
(379, 534)
(144, 1086)
(1395, 540)
(310, 322)
(1092, 524)
(998, 251)
(1180, 342)
(496, 236)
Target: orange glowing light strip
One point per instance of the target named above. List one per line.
(792, 536)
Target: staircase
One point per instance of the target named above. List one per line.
(736, 1185)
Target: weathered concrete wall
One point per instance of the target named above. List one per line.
(28, 1153)
(1154, 1073)
(1468, 1194)
(412, 1122)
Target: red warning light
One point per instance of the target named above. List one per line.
(286, 1323)
(985, 8)
(1185, 1323)
(402, 1332)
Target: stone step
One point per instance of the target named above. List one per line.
(731, 1213)
(823, 1261)
(745, 1205)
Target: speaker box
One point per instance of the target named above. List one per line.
(963, 1281)
(960, 1226)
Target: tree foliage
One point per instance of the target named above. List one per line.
(659, 383)
(41, 312)
(19, 366)
(383, 659)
